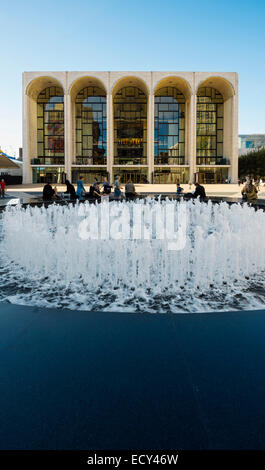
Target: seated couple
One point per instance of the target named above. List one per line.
(94, 190)
(50, 193)
(199, 192)
(130, 192)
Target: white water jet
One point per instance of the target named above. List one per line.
(223, 244)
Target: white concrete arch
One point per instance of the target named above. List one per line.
(82, 82)
(31, 92)
(221, 84)
(122, 82)
(77, 85)
(181, 84)
(130, 80)
(174, 81)
(230, 126)
(39, 84)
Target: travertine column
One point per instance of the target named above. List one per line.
(30, 147)
(187, 132)
(150, 135)
(110, 135)
(67, 136)
(192, 134)
(234, 159)
(27, 176)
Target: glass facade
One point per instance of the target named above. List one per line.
(91, 127)
(89, 174)
(210, 127)
(137, 175)
(51, 175)
(130, 127)
(212, 175)
(169, 127)
(174, 153)
(50, 127)
(171, 175)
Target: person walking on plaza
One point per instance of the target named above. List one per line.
(2, 188)
(117, 187)
(80, 192)
(250, 191)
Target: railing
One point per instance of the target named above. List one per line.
(130, 161)
(47, 161)
(170, 161)
(90, 161)
(212, 161)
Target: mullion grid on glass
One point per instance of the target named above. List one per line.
(89, 174)
(50, 126)
(171, 175)
(91, 126)
(169, 126)
(130, 107)
(209, 122)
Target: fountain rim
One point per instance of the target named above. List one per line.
(34, 202)
(39, 309)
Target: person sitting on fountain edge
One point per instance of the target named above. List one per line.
(179, 189)
(106, 186)
(48, 192)
(199, 191)
(130, 192)
(96, 188)
(250, 191)
(70, 189)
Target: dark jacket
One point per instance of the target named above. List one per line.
(48, 192)
(70, 190)
(107, 187)
(199, 191)
(129, 188)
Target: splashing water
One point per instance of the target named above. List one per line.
(46, 262)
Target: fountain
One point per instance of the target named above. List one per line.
(127, 256)
(107, 378)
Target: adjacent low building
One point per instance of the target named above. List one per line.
(158, 127)
(249, 142)
(10, 169)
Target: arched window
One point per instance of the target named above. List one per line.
(130, 127)
(209, 126)
(169, 127)
(91, 126)
(50, 126)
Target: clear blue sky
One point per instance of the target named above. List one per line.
(203, 35)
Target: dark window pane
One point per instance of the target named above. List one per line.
(209, 126)
(170, 122)
(90, 107)
(50, 104)
(130, 123)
